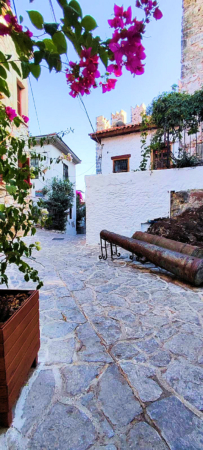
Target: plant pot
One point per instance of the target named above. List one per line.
(19, 346)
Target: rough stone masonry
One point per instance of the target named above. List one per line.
(192, 45)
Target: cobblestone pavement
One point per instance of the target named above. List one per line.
(121, 359)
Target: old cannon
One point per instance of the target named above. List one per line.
(184, 266)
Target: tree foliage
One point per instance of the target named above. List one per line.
(60, 200)
(171, 114)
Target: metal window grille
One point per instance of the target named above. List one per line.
(160, 159)
(120, 165)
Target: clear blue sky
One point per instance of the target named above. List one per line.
(57, 110)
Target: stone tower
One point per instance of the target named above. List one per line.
(192, 46)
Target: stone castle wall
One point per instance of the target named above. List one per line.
(192, 45)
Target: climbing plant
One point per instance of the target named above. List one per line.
(171, 114)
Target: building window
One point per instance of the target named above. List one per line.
(19, 99)
(35, 164)
(160, 160)
(65, 172)
(121, 163)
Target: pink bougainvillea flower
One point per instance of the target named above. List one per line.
(80, 196)
(118, 11)
(117, 22)
(157, 14)
(113, 68)
(13, 22)
(4, 30)
(109, 85)
(11, 113)
(86, 52)
(25, 118)
(128, 15)
(81, 83)
(8, 18)
(29, 33)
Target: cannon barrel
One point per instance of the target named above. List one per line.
(179, 247)
(186, 267)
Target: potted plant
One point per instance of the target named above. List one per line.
(19, 311)
(19, 346)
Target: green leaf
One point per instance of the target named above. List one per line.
(35, 70)
(11, 189)
(36, 19)
(21, 19)
(38, 56)
(104, 56)
(49, 45)
(70, 16)
(51, 28)
(16, 68)
(33, 231)
(60, 42)
(89, 23)
(25, 69)
(75, 5)
(4, 61)
(2, 208)
(3, 72)
(40, 45)
(4, 87)
(62, 3)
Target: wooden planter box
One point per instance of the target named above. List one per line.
(19, 346)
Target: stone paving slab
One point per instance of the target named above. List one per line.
(121, 357)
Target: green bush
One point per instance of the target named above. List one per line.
(60, 200)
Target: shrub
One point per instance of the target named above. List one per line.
(60, 200)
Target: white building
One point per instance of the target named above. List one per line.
(53, 148)
(122, 199)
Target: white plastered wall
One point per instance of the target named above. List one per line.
(128, 144)
(125, 202)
